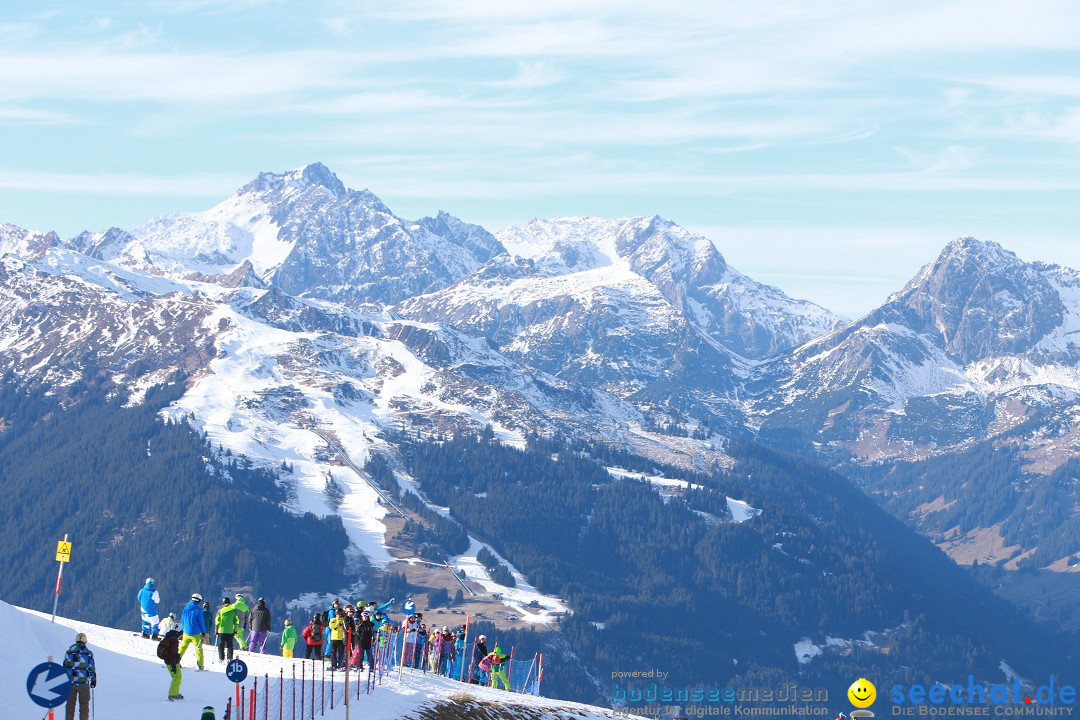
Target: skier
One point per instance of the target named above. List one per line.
(459, 654)
(409, 654)
(243, 616)
(227, 625)
(313, 637)
(148, 604)
(333, 610)
(288, 639)
(365, 634)
(445, 652)
(337, 641)
(208, 620)
(169, 651)
(168, 624)
(194, 627)
(260, 627)
(207, 713)
(498, 669)
(480, 651)
(79, 662)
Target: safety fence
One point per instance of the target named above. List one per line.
(313, 688)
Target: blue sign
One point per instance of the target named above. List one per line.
(49, 685)
(236, 671)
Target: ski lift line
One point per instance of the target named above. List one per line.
(381, 493)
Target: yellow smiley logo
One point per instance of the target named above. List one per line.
(862, 693)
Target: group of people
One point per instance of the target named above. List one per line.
(344, 633)
(198, 621)
(362, 631)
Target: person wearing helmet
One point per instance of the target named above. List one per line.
(148, 605)
(480, 651)
(365, 634)
(79, 662)
(313, 636)
(227, 626)
(459, 653)
(167, 623)
(444, 651)
(260, 627)
(194, 627)
(289, 636)
(243, 616)
(498, 668)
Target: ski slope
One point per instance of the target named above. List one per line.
(133, 683)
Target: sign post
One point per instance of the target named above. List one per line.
(48, 685)
(63, 555)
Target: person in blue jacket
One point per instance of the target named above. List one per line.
(148, 604)
(194, 623)
(459, 654)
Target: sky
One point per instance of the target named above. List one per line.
(830, 148)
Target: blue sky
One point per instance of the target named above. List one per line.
(830, 147)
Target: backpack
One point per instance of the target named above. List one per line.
(162, 649)
(316, 632)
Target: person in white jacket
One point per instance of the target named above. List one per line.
(168, 623)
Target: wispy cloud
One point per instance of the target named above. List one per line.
(194, 185)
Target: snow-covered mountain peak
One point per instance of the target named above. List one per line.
(26, 244)
(315, 174)
(978, 299)
(580, 243)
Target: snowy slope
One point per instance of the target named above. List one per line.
(747, 317)
(133, 683)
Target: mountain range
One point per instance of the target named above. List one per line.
(299, 305)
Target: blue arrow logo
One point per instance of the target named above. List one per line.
(48, 685)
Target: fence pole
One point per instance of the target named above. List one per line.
(525, 685)
(266, 695)
(252, 699)
(464, 649)
(303, 684)
(281, 694)
(510, 671)
(294, 692)
(322, 690)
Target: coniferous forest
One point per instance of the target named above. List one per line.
(141, 497)
(672, 583)
(654, 580)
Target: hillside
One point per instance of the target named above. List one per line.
(133, 683)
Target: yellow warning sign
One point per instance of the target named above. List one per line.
(63, 551)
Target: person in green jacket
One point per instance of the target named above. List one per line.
(226, 626)
(288, 639)
(243, 613)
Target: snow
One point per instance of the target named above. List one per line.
(806, 650)
(740, 510)
(224, 403)
(517, 598)
(125, 283)
(133, 683)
